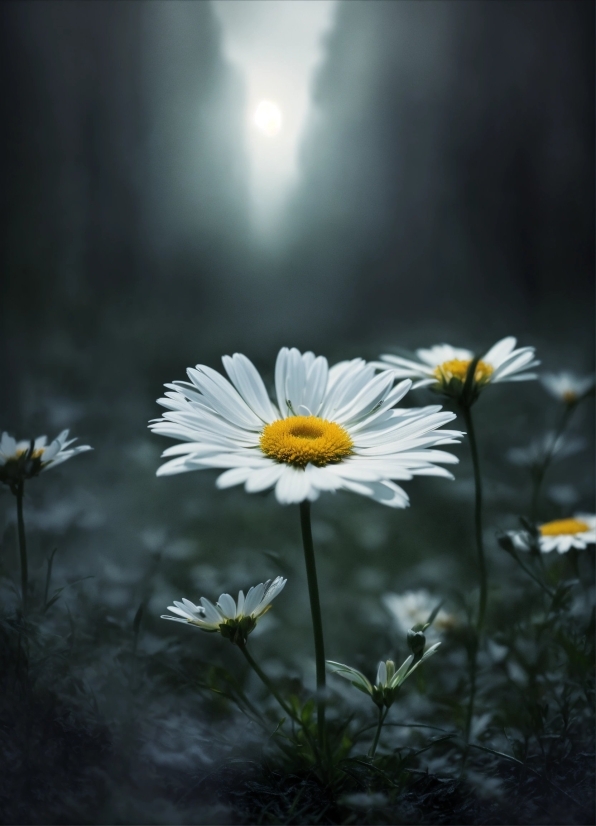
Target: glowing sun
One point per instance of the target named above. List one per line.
(268, 118)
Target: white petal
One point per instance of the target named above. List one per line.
(248, 382)
(234, 476)
(264, 478)
(499, 351)
(293, 486)
(253, 598)
(227, 606)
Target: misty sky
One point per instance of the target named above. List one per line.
(433, 173)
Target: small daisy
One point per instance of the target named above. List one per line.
(233, 620)
(384, 691)
(563, 534)
(330, 429)
(445, 367)
(26, 459)
(567, 387)
(559, 535)
(413, 608)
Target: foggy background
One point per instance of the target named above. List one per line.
(441, 183)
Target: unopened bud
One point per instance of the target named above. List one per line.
(416, 642)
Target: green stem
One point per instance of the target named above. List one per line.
(267, 682)
(473, 652)
(382, 715)
(473, 660)
(317, 623)
(540, 471)
(22, 544)
(467, 414)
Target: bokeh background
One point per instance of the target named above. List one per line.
(433, 179)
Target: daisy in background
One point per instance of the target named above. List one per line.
(463, 375)
(234, 620)
(413, 608)
(20, 461)
(444, 368)
(567, 387)
(559, 535)
(328, 429)
(563, 534)
(24, 460)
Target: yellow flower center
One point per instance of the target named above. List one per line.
(301, 440)
(569, 396)
(563, 526)
(458, 369)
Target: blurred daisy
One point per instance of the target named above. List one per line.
(234, 620)
(559, 535)
(548, 447)
(414, 608)
(388, 680)
(445, 367)
(331, 429)
(23, 460)
(563, 534)
(567, 387)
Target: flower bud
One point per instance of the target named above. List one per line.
(416, 642)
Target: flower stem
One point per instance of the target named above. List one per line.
(382, 715)
(267, 682)
(474, 645)
(315, 610)
(22, 544)
(539, 471)
(467, 414)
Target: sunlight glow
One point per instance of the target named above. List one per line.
(277, 46)
(268, 118)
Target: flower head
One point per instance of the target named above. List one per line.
(388, 681)
(330, 429)
(445, 368)
(413, 609)
(567, 387)
(24, 460)
(559, 535)
(233, 619)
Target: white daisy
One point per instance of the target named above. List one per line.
(563, 534)
(567, 387)
(331, 429)
(388, 680)
(445, 367)
(233, 620)
(413, 608)
(23, 460)
(559, 535)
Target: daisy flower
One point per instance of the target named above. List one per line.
(388, 680)
(567, 387)
(563, 534)
(445, 367)
(329, 429)
(233, 619)
(413, 608)
(559, 535)
(26, 459)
